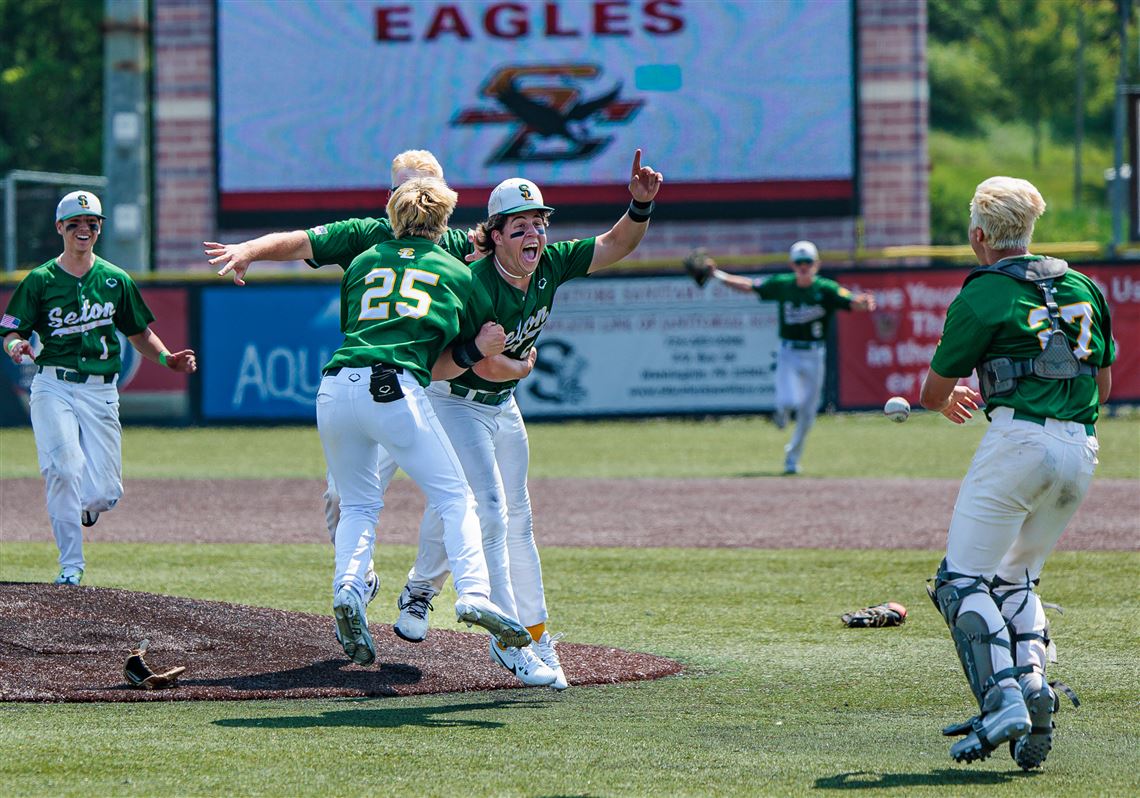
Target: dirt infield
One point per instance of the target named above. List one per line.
(794, 512)
(69, 644)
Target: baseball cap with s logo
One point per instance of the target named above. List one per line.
(78, 203)
(515, 196)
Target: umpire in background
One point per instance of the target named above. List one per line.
(807, 304)
(1039, 335)
(77, 303)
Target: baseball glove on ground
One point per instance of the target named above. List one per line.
(139, 674)
(699, 266)
(889, 613)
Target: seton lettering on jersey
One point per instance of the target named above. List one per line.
(552, 20)
(519, 339)
(88, 317)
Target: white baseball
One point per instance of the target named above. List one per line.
(897, 409)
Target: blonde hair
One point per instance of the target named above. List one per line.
(421, 207)
(420, 163)
(1006, 208)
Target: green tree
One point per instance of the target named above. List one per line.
(51, 85)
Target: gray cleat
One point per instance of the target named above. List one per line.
(352, 627)
(481, 612)
(1008, 720)
(414, 604)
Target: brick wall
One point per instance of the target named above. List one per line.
(893, 160)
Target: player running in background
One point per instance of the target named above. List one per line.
(807, 304)
(1039, 335)
(76, 303)
(514, 285)
(400, 305)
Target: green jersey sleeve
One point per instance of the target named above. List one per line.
(456, 244)
(132, 315)
(23, 307)
(340, 242)
(570, 259)
(834, 295)
(965, 339)
(769, 288)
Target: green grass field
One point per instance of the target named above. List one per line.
(776, 699)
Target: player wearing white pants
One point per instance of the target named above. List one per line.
(514, 285)
(493, 448)
(807, 304)
(1039, 336)
(77, 303)
(400, 305)
(800, 369)
(358, 434)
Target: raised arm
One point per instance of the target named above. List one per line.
(623, 238)
(237, 258)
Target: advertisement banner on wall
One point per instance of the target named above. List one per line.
(263, 348)
(146, 391)
(611, 347)
(887, 352)
(561, 91)
(653, 346)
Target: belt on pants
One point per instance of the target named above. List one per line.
(375, 367)
(482, 397)
(802, 344)
(1021, 415)
(76, 376)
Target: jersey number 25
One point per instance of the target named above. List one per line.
(373, 305)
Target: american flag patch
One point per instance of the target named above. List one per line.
(9, 321)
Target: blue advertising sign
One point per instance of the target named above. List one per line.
(262, 350)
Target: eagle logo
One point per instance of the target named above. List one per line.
(551, 114)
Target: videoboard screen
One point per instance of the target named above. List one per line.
(747, 108)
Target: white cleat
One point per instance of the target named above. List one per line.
(352, 627)
(414, 604)
(523, 663)
(544, 650)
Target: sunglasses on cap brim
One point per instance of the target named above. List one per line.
(803, 261)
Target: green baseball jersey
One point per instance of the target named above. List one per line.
(522, 314)
(805, 313)
(998, 316)
(76, 317)
(341, 242)
(400, 304)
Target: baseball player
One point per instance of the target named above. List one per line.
(514, 285)
(77, 303)
(1039, 336)
(400, 305)
(336, 243)
(807, 305)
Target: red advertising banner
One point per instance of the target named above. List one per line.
(887, 352)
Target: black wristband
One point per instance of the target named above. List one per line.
(640, 211)
(466, 354)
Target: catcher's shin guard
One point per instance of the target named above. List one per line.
(970, 631)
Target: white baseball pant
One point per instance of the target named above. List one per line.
(799, 383)
(364, 442)
(1025, 482)
(493, 447)
(79, 443)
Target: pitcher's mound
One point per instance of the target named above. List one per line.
(61, 643)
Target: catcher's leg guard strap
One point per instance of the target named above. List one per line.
(978, 648)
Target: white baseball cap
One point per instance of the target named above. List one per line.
(78, 203)
(515, 196)
(803, 250)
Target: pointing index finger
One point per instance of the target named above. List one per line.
(636, 164)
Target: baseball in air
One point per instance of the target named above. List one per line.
(897, 409)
